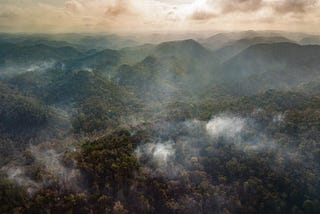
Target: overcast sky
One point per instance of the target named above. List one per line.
(158, 15)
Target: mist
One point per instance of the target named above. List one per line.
(180, 122)
(225, 130)
(13, 69)
(43, 166)
(225, 126)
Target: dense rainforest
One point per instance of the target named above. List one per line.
(98, 124)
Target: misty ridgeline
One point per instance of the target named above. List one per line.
(117, 124)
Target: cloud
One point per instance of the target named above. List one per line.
(219, 9)
(176, 1)
(8, 15)
(293, 6)
(202, 15)
(120, 7)
(280, 6)
(73, 6)
(150, 15)
(240, 5)
(99, 8)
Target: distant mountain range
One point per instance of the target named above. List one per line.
(278, 66)
(105, 124)
(174, 65)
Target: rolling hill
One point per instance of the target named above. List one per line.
(278, 65)
(233, 48)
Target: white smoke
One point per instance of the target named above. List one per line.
(87, 69)
(193, 135)
(53, 171)
(51, 160)
(243, 133)
(12, 69)
(41, 66)
(18, 174)
(279, 118)
(160, 153)
(225, 126)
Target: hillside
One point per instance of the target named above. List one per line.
(216, 42)
(38, 52)
(91, 125)
(273, 64)
(102, 60)
(187, 49)
(310, 40)
(233, 48)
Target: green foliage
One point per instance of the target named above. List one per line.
(13, 199)
(17, 111)
(110, 159)
(97, 114)
(117, 104)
